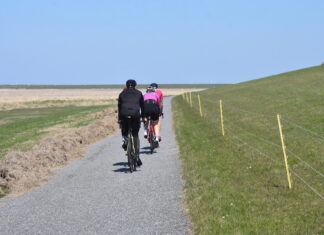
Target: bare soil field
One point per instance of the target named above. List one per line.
(22, 171)
(36, 98)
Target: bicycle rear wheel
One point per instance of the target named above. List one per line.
(151, 137)
(131, 154)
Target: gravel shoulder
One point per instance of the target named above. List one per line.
(97, 195)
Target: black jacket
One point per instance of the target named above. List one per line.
(130, 102)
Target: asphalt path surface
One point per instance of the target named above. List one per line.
(96, 194)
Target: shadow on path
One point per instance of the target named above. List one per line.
(147, 150)
(124, 169)
(120, 164)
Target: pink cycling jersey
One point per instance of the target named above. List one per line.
(152, 96)
(159, 93)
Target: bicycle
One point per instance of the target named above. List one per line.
(131, 152)
(151, 134)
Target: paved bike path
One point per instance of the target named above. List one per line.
(97, 195)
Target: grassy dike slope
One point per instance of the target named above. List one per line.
(22, 128)
(237, 184)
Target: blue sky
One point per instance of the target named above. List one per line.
(165, 41)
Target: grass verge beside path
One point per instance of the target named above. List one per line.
(232, 188)
(229, 194)
(21, 128)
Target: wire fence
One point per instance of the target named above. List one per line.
(304, 147)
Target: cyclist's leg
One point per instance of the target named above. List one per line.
(146, 112)
(156, 131)
(159, 129)
(155, 126)
(156, 120)
(160, 116)
(145, 120)
(124, 131)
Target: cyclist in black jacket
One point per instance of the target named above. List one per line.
(130, 103)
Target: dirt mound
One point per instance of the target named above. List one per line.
(22, 171)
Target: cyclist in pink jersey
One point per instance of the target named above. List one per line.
(160, 94)
(152, 104)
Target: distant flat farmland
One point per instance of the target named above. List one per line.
(140, 86)
(12, 98)
(23, 95)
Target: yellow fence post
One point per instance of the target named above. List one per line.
(284, 151)
(183, 94)
(199, 103)
(190, 99)
(221, 116)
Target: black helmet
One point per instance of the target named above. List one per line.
(149, 89)
(154, 85)
(131, 83)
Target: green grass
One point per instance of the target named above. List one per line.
(4, 191)
(56, 101)
(21, 128)
(69, 102)
(237, 184)
(119, 86)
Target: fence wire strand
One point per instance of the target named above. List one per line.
(252, 147)
(279, 146)
(298, 176)
(240, 109)
(303, 128)
(233, 136)
(307, 184)
(267, 116)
